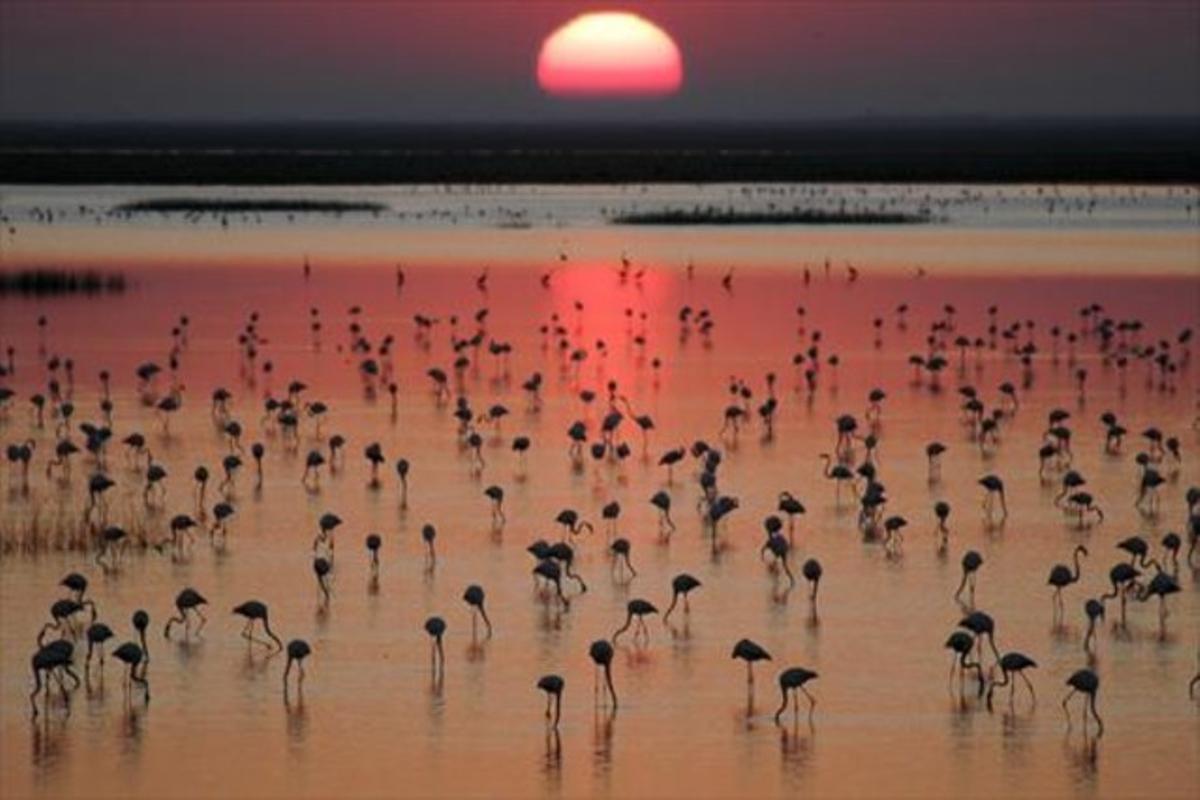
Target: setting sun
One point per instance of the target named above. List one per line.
(609, 53)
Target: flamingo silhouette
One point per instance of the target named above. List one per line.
(552, 685)
(187, 600)
(256, 611)
(971, 562)
(297, 651)
(640, 609)
(962, 643)
(1061, 577)
(1086, 682)
(1010, 664)
(436, 628)
(473, 596)
(750, 652)
(793, 680)
(132, 656)
(681, 586)
(601, 653)
(50, 660)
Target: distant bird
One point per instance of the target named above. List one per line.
(620, 551)
(601, 653)
(777, 545)
(552, 685)
(374, 542)
(429, 535)
(322, 568)
(791, 507)
(496, 495)
(971, 562)
(473, 596)
(297, 651)
(548, 570)
(981, 624)
(436, 628)
(1094, 609)
(662, 501)
(812, 573)
(962, 643)
(994, 490)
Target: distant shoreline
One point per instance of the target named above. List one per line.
(170, 205)
(975, 151)
(51, 168)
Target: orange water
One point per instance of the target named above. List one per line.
(372, 723)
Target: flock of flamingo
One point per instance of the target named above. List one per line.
(61, 434)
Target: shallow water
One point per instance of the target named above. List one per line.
(372, 722)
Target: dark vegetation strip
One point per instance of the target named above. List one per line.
(713, 215)
(42, 282)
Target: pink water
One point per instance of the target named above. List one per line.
(371, 723)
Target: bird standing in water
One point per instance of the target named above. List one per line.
(793, 680)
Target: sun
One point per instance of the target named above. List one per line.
(609, 53)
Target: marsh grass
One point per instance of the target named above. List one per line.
(713, 215)
(43, 282)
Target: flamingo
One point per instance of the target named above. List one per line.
(322, 568)
(601, 653)
(750, 652)
(620, 551)
(994, 488)
(132, 655)
(971, 562)
(812, 572)
(473, 596)
(640, 609)
(297, 651)
(496, 495)
(256, 611)
(794, 680)
(1094, 610)
(552, 685)
(436, 628)
(962, 643)
(50, 659)
(1010, 664)
(97, 634)
(838, 473)
(1086, 682)
(1061, 577)
(187, 600)
(662, 501)
(681, 586)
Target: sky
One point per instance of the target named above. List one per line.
(475, 60)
